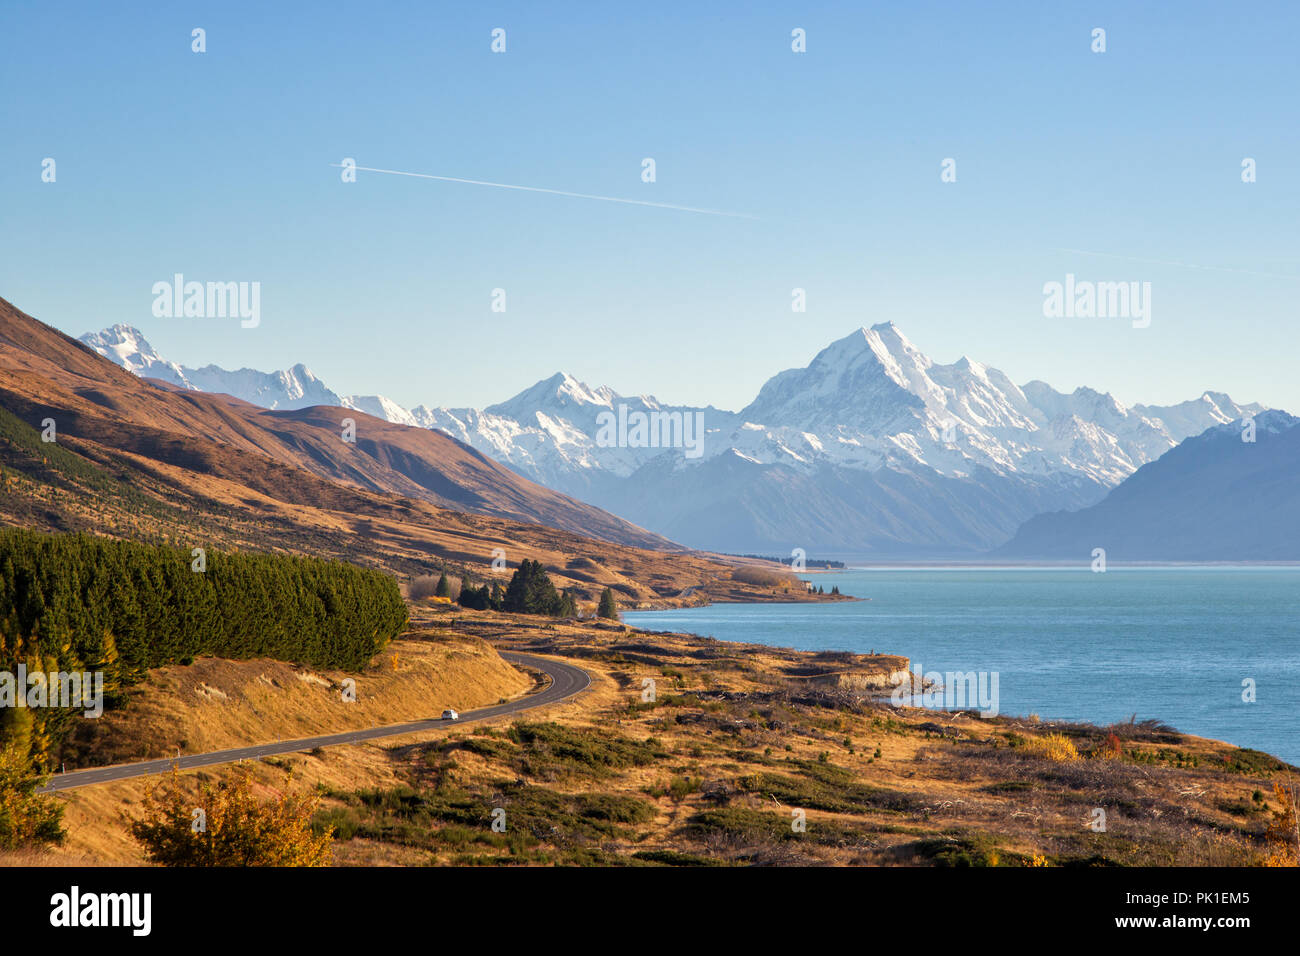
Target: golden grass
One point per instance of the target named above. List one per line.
(214, 703)
(414, 678)
(1004, 790)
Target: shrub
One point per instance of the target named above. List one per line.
(424, 586)
(675, 858)
(1244, 760)
(1056, 747)
(976, 850)
(1283, 833)
(681, 787)
(550, 750)
(765, 577)
(237, 829)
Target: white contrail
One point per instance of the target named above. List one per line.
(553, 192)
(1181, 265)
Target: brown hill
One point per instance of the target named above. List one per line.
(46, 373)
(138, 459)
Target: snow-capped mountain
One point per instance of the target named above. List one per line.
(871, 448)
(290, 388)
(127, 347)
(865, 400)
(552, 431)
(381, 407)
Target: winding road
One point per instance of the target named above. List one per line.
(566, 680)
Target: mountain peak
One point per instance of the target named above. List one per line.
(559, 391)
(117, 335)
(885, 339)
(296, 387)
(125, 345)
(301, 371)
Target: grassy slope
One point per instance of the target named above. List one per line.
(80, 485)
(739, 736)
(215, 703)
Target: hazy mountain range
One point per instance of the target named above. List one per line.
(89, 447)
(872, 449)
(1216, 497)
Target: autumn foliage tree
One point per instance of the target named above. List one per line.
(26, 817)
(1283, 833)
(227, 825)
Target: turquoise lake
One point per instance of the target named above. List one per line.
(1174, 644)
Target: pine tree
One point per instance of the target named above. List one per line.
(444, 588)
(516, 596)
(530, 591)
(476, 599)
(608, 608)
(468, 593)
(73, 603)
(568, 606)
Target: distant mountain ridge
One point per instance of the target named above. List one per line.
(154, 461)
(871, 449)
(290, 388)
(45, 373)
(1216, 497)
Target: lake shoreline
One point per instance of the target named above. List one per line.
(1064, 641)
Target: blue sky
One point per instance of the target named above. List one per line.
(217, 166)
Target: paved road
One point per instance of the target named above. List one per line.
(566, 680)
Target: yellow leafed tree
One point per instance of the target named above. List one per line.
(26, 817)
(225, 824)
(1283, 834)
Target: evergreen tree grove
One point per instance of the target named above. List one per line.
(568, 605)
(79, 603)
(477, 599)
(530, 591)
(607, 607)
